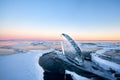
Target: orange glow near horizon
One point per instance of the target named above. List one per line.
(28, 37)
(55, 37)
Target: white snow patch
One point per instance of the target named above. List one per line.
(76, 76)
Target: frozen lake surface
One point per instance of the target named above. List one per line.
(21, 66)
(19, 59)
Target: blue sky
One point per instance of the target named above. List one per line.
(40, 19)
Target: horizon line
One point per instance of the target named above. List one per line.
(49, 40)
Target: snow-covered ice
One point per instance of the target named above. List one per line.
(105, 64)
(76, 76)
(24, 64)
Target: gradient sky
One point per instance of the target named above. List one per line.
(47, 19)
